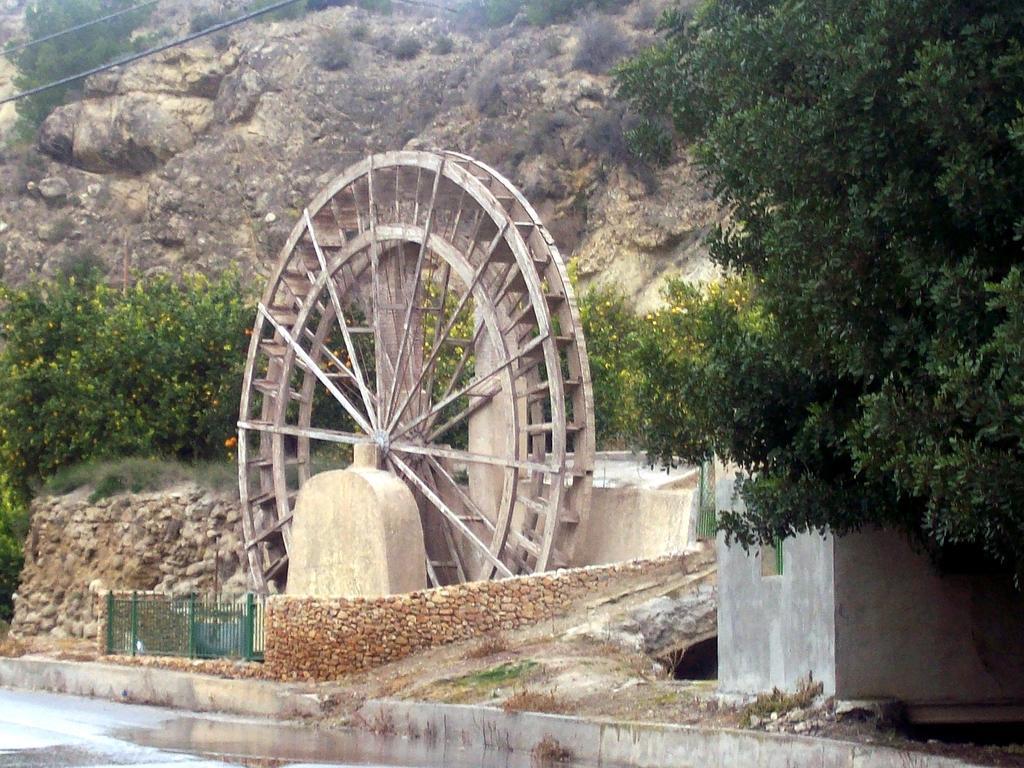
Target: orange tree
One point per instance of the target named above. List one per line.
(609, 325)
(870, 155)
(92, 372)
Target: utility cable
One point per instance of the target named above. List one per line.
(85, 25)
(166, 46)
(149, 51)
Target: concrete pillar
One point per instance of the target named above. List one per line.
(356, 533)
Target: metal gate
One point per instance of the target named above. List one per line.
(146, 624)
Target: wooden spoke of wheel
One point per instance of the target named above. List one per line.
(357, 371)
(420, 244)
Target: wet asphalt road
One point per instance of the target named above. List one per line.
(46, 730)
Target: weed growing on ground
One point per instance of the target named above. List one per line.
(333, 51)
(779, 703)
(383, 724)
(489, 646)
(549, 751)
(10, 647)
(503, 673)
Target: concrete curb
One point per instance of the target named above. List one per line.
(604, 743)
(160, 687)
(637, 745)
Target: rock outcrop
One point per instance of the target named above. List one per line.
(177, 541)
(136, 122)
(202, 158)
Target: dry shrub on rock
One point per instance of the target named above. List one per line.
(600, 46)
(333, 51)
(485, 93)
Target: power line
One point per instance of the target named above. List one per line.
(173, 44)
(149, 51)
(85, 25)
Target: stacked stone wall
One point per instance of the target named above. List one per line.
(173, 542)
(323, 639)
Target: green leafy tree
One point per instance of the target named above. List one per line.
(609, 326)
(70, 54)
(13, 529)
(870, 155)
(93, 373)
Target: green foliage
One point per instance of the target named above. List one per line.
(382, 7)
(69, 54)
(13, 529)
(609, 327)
(503, 673)
(207, 18)
(871, 156)
(699, 360)
(493, 13)
(650, 142)
(93, 373)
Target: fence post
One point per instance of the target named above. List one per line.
(191, 625)
(135, 622)
(250, 620)
(110, 621)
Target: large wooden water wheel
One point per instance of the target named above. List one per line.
(420, 306)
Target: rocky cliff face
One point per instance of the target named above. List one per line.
(203, 157)
(178, 541)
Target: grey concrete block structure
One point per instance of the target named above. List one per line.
(870, 617)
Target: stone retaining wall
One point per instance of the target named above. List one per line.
(176, 541)
(322, 639)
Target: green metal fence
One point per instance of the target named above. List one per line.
(707, 521)
(147, 624)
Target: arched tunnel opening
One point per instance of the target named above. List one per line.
(697, 662)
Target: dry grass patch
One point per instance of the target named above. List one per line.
(12, 647)
(491, 645)
(524, 700)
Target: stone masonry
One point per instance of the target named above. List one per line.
(177, 541)
(323, 639)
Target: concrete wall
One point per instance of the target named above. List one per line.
(634, 522)
(870, 617)
(904, 630)
(774, 630)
